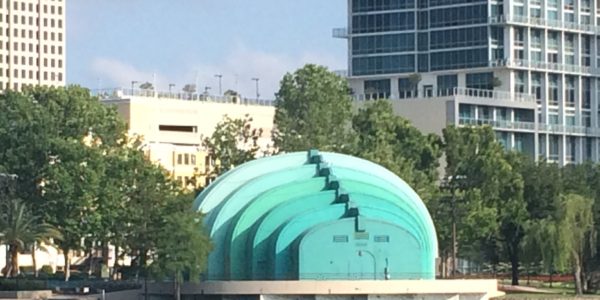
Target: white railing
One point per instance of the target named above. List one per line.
(501, 124)
(465, 93)
(340, 33)
(120, 93)
(543, 22)
(521, 63)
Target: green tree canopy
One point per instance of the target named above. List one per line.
(313, 110)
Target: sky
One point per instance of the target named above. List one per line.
(113, 42)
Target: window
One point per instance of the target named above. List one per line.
(179, 159)
(383, 43)
(186, 159)
(481, 81)
(553, 83)
(536, 85)
(406, 89)
(383, 64)
(570, 91)
(519, 37)
(586, 93)
(446, 84)
(520, 82)
(377, 89)
(536, 38)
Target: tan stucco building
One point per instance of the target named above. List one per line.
(173, 125)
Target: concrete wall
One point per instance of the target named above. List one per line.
(336, 290)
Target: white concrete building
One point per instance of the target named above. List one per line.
(32, 43)
(529, 68)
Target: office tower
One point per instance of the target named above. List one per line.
(528, 68)
(32, 47)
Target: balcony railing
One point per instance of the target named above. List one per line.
(501, 124)
(476, 94)
(120, 93)
(521, 63)
(525, 20)
(340, 33)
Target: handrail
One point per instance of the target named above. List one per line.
(120, 93)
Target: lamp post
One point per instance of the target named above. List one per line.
(220, 76)
(257, 93)
(171, 85)
(133, 82)
(361, 252)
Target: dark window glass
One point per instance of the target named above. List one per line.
(377, 89)
(446, 84)
(383, 22)
(383, 43)
(383, 65)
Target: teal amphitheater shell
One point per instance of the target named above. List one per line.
(316, 215)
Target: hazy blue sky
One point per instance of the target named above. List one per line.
(112, 42)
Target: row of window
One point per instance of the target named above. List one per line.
(455, 16)
(407, 88)
(52, 76)
(554, 145)
(383, 64)
(186, 159)
(383, 22)
(458, 59)
(53, 49)
(48, 22)
(33, 61)
(454, 38)
(378, 5)
(24, 34)
(58, 9)
(383, 43)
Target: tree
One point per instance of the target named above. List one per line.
(493, 193)
(313, 110)
(576, 227)
(233, 143)
(147, 86)
(389, 140)
(19, 229)
(182, 246)
(414, 80)
(189, 88)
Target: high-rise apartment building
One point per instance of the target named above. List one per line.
(528, 68)
(32, 43)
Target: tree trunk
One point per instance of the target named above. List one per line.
(67, 256)
(177, 288)
(514, 264)
(14, 257)
(116, 264)
(33, 260)
(577, 275)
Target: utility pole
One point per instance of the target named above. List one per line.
(133, 83)
(220, 76)
(257, 92)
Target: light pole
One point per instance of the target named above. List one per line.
(220, 76)
(257, 93)
(133, 82)
(171, 85)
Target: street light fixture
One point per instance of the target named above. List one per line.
(220, 76)
(257, 93)
(133, 83)
(171, 85)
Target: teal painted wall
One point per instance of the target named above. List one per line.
(268, 217)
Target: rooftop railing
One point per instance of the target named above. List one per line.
(468, 93)
(502, 124)
(121, 93)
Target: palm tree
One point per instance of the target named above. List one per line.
(20, 229)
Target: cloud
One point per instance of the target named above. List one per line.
(238, 67)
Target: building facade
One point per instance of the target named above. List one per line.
(528, 68)
(32, 43)
(173, 125)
